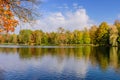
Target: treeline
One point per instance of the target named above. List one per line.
(104, 34)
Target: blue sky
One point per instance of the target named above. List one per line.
(97, 10)
(75, 14)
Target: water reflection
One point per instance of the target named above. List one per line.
(77, 61)
(2, 74)
(102, 56)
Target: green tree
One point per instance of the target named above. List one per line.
(78, 37)
(86, 36)
(45, 38)
(69, 37)
(14, 38)
(25, 36)
(52, 38)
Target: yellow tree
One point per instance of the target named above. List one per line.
(102, 34)
(92, 32)
(113, 35)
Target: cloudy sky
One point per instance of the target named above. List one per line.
(75, 14)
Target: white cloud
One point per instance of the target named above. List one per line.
(69, 20)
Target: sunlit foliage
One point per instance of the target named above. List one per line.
(102, 34)
(113, 36)
(10, 10)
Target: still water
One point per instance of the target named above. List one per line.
(59, 63)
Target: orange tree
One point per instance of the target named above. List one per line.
(10, 10)
(7, 20)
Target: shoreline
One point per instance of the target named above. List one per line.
(49, 46)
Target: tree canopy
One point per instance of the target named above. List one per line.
(10, 10)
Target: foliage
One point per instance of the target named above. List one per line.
(7, 20)
(78, 37)
(37, 37)
(117, 24)
(25, 36)
(92, 31)
(102, 34)
(10, 10)
(86, 36)
(113, 36)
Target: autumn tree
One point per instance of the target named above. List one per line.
(12, 9)
(102, 34)
(7, 21)
(113, 36)
(37, 37)
(70, 37)
(92, 32)
(61, 35)
(117, 24)
(2, 38)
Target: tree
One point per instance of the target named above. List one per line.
(78, 37)
(86, 36)
(61, 36)
(7, 21)
(113, 36)
(2, 38)
(37, 37)
(45, 38)
(52, 39)
(13, 38)
(102, 34)
(68, 33)
(92, 32)
(9, 9)
(117, 24)
(25, 36)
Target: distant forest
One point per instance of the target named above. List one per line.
(104, 34)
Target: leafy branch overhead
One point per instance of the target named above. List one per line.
(10, 10)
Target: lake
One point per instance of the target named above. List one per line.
(59, 63)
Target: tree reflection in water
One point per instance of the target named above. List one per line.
(102, 56)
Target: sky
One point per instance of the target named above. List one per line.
(76, 14)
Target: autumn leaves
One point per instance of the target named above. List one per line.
(7, 20)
